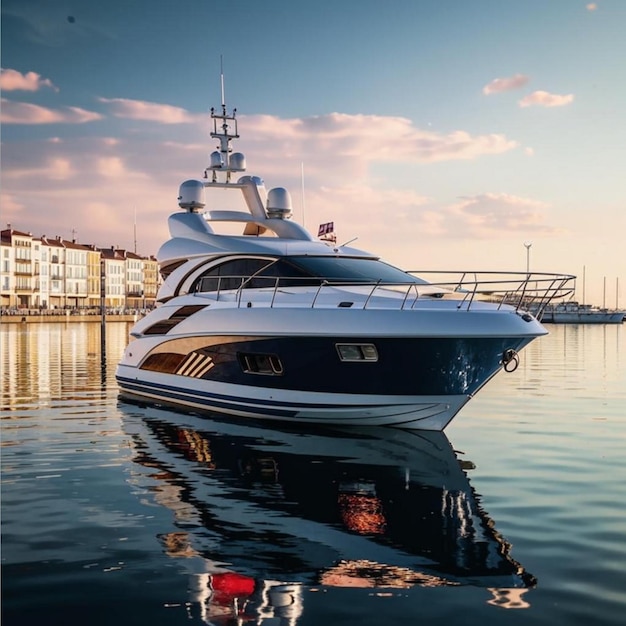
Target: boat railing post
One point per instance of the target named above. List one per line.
(474, 290)
(317, 293)
(406, 296)
(523, 290)
(240, 291)
(371, 293)
(459, 285)
(276, 283)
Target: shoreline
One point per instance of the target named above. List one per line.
(65, 319)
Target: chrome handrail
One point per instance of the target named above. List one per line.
(531, 291)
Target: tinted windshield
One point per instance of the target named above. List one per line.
(351, 270)
(297, 271)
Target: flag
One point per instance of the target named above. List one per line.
(326, 229)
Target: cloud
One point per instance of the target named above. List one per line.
(545, 99)
(91, 183)
(369, 139)
(12, 209)
(110, 167)
(498, 85)
(25, 113)
(592, 6)
(486, 214)
(52, 168)
(12, 80)
(148, 111)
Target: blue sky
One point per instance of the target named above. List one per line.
(444, 134)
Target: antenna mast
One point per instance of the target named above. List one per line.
(221, 160)
(222, 84)
(303, 198)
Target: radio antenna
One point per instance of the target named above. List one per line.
(303, 198)
(222, 83)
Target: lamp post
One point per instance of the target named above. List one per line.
(528, 246)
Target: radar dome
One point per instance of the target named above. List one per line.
(215, 160)
(191, 195)
(237, 162)
(278, 203)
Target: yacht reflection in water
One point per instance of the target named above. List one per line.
(265, 514)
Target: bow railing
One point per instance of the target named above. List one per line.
(529, 291)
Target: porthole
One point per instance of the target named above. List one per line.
(356, 352)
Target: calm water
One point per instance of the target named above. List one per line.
(119, 514)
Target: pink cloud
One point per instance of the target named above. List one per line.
(25, 113)
(545, 99)
(12, 208)
(488, 213)
(12, 80)
(148, 111)
(498, 85)
(370, 138)
(592, 6)
(89, 181)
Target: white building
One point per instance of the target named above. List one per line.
(56, 255)
(75, 274)
(114, 278)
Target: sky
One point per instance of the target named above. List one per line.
(442, 134)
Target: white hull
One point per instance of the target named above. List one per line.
(295, 407)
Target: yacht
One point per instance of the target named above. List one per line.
(573, 312)
(272, 322)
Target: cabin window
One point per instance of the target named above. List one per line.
(168, 269)
(253, 273)
(230, 275)
(357, 352)
(164, 326)
(268, 364)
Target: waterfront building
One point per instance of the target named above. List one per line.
(56, 255)
(114, 272)
(19, 266)
(52, 273)
(93, 277)
(7, 277)
(150, 281)
(41, 259)
(75, 274)
(134, 281)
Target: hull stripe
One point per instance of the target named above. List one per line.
(172, 392)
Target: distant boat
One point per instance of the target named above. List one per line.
(575, 313)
